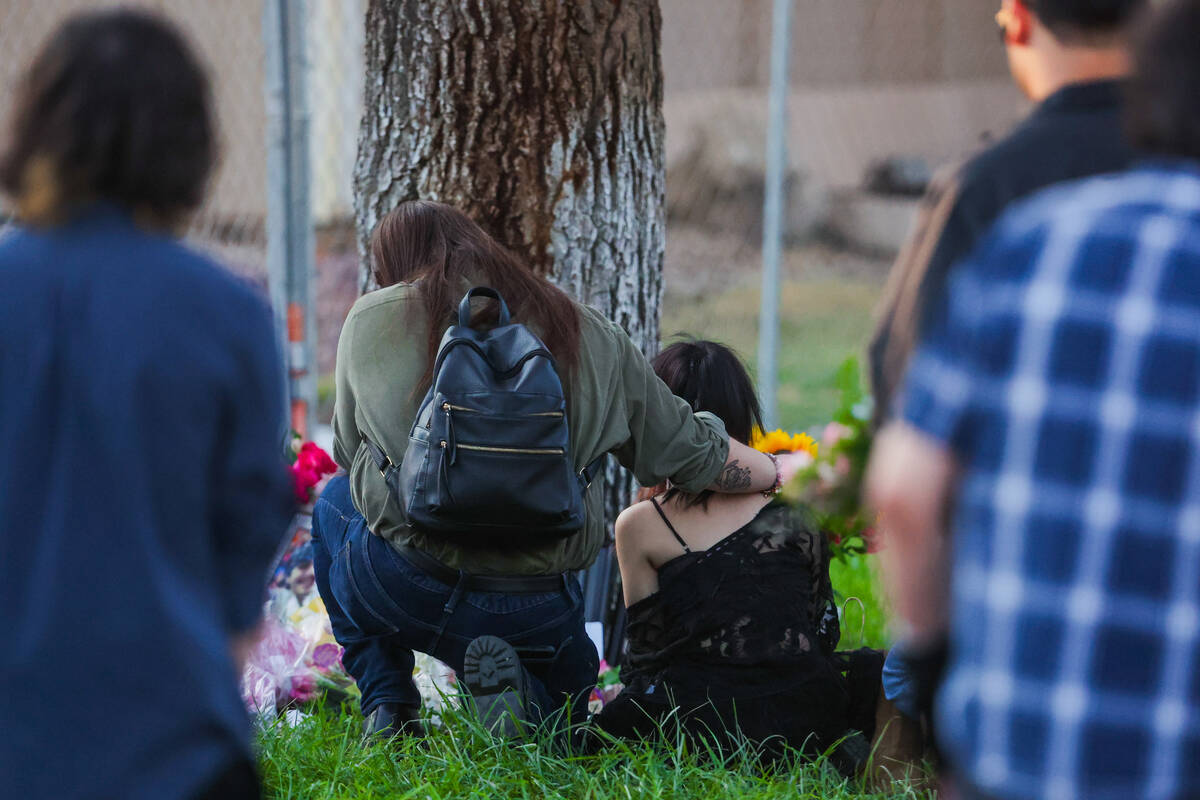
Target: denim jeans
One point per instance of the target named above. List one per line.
(383, 608)
(899, 684)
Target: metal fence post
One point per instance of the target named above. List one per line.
(773, 208)
(290, 257)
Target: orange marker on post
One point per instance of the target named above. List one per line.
(297, 368)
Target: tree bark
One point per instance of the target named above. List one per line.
(542, 120)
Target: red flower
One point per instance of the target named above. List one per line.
(303, 481)
(314, 458)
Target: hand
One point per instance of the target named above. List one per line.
(792, 463)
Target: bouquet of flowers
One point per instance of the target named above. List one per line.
(310, 465)
(297, 659)
(608, 686)
(831, 483)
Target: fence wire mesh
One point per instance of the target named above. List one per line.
(916, 81)
(910, 84)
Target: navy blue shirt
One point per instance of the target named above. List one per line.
(142, 495)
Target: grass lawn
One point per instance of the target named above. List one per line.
(322, 758)
(824, 320)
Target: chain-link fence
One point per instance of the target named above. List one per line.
(916, 82)
(228, 35)
(893, 87)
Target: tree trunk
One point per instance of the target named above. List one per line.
(542, 120)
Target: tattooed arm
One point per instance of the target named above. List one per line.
(745, 470)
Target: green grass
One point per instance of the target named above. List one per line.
(322, 758)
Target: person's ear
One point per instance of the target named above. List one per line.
(1020, 24)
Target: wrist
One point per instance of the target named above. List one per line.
(777, 486)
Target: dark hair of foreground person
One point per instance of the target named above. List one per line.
(115, 107)
(1163, 106)
(1083, 21)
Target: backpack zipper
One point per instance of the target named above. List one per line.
(553, 451)
(448, 407)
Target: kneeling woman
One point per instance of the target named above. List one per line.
(732, 623)
(508, 618)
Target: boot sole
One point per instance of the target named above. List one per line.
(494, 676)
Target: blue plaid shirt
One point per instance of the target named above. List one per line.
(1065, 377)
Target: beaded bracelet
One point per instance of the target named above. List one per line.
(778, 485)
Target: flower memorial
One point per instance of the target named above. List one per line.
(297, 659)
(831, 483)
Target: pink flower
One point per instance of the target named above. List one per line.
(303, 688)
(610, 692)
(841, 466)
(327, 655)
(834, 433)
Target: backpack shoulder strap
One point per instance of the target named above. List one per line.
(589, 473)
(382, 462)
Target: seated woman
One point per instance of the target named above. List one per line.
(732, 623)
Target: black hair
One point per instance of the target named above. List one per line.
(1163, 105)
(710, 377)
(114, 107)
(1074, 20)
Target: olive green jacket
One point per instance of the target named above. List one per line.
(615, 404)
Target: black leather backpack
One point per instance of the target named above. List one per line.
(488, 459)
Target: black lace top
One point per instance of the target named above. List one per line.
(749, 623)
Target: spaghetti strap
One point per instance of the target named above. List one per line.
(670, 527)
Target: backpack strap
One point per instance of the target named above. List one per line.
(464, 308)
(589, 473)
(382, 462)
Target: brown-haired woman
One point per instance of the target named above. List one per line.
(392, 589)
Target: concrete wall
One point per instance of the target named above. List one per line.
(721, 44)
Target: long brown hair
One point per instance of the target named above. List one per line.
(439, 247)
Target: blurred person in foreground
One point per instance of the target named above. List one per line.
(142, 487)
(1069, 57)
(1051, 424)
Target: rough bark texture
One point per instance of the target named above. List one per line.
(542, 119)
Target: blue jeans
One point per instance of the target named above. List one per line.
(383, 608)
(899, 684)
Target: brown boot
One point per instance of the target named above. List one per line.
(899, 746)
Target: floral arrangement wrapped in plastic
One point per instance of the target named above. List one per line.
(831, 484)
(297, 659)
